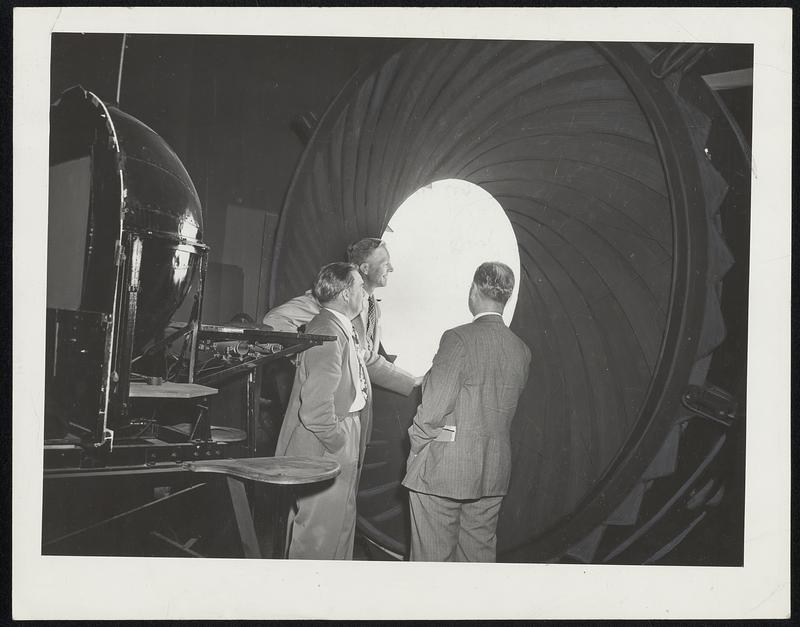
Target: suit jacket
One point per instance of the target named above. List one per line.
(323, 392)
(299, 310)
(474, 384)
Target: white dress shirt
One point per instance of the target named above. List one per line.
(363, 314)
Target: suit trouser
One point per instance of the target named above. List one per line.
(324, 523)
(451, 530)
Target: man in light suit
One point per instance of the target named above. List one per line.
(460, 461)
(372, 258)
(329, 415)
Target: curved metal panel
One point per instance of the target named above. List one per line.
(138, 185)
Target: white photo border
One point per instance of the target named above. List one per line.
(137, 588)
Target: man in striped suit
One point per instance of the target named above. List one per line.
(460, 461)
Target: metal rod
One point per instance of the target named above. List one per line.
(252, 412)
(165, 341)
(198, 314)
(129, 326)
(121, 61)
(115, 471)
(130, 512)
(176, 545)
(729, 80)
(55, 348)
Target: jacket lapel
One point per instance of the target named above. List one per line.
(352, 360)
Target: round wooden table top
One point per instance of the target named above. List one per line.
(275, 470)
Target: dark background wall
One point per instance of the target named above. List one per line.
(230, 108)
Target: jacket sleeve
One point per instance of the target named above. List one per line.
(528, 358)
(384, 373)
(440, 391)
(293, 313)
(317, 412)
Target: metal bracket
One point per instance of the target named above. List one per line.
(711, 402)
(108, 438)
(119, 254)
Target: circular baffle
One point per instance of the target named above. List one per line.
(600, 168)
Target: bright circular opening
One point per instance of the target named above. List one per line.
(437, 238)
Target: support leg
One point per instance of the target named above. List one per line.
(244, 519)
(280, 521)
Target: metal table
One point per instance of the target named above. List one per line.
(284, 472)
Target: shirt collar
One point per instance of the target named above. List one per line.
(347, 324)
(487, 313)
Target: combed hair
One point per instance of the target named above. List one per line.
(332, 280)
(360, 251)
(495, 280)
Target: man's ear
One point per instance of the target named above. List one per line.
(363, 268)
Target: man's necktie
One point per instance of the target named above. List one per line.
(362, 377)
(372, 322)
